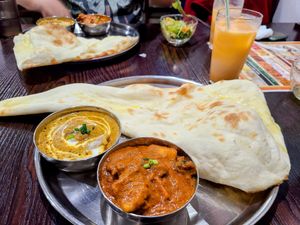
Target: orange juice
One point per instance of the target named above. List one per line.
(219, 4)
(231, 48)
(212, 26)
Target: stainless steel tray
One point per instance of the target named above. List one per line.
(77, 198)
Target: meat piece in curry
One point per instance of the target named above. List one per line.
(148, 180)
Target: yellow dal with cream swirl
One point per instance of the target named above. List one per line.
(63, 139)
(62, 21)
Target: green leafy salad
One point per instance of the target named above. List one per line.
(176, 29)
(180, 28)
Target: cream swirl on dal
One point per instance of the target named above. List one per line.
(77, 135)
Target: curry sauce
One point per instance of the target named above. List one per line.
(93, 19)
(62, 21)
(148, 180)
(77, 135)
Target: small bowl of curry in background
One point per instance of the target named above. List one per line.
(74, 139)
(67, 22)
(94, 24)
(147, 179)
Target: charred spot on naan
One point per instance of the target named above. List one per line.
(130, 111)
(253, 135)
(58, 42)
(201, 107)
(184, 90)
(200, 119)
(53, 61)
(60, 35)
(4, 112)
(159, 134)
(218, 136)
(157, 92)
(233, 119)
(92, 51)
(215, 104)
(106, 53)
(192, 126)
(161, 116)
(205, 106)
(200, 89)
(49, 32)
(90, 55)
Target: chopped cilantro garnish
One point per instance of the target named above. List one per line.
(146, 166)
(83, 129)
(70, 136)
(153, 162)
(150, 163)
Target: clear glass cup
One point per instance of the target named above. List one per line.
(177, 28)
(295, 78)
(9, 18)
(219, 4)
(232, 44)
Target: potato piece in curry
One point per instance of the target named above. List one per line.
(148, 180)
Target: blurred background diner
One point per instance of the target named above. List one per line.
(127, 11)
(133, 11)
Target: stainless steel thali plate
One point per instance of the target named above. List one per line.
(77, 198)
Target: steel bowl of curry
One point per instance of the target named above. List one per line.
(67, 22)
(94, 24)
(74, 139)
(147, 179)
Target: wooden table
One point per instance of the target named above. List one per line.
(22, 201)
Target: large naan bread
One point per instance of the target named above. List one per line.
(53, 44)
(226, 127)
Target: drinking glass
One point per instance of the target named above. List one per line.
(9, 18)
(232, 42)
(295, 78)
(219, 4)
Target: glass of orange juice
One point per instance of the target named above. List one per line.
(232, 42)
(220, 4)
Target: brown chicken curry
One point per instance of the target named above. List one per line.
(93, 19)
(148, 180)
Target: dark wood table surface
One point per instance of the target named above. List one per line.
(21, 199)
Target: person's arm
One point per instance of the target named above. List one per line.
(45, 7)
